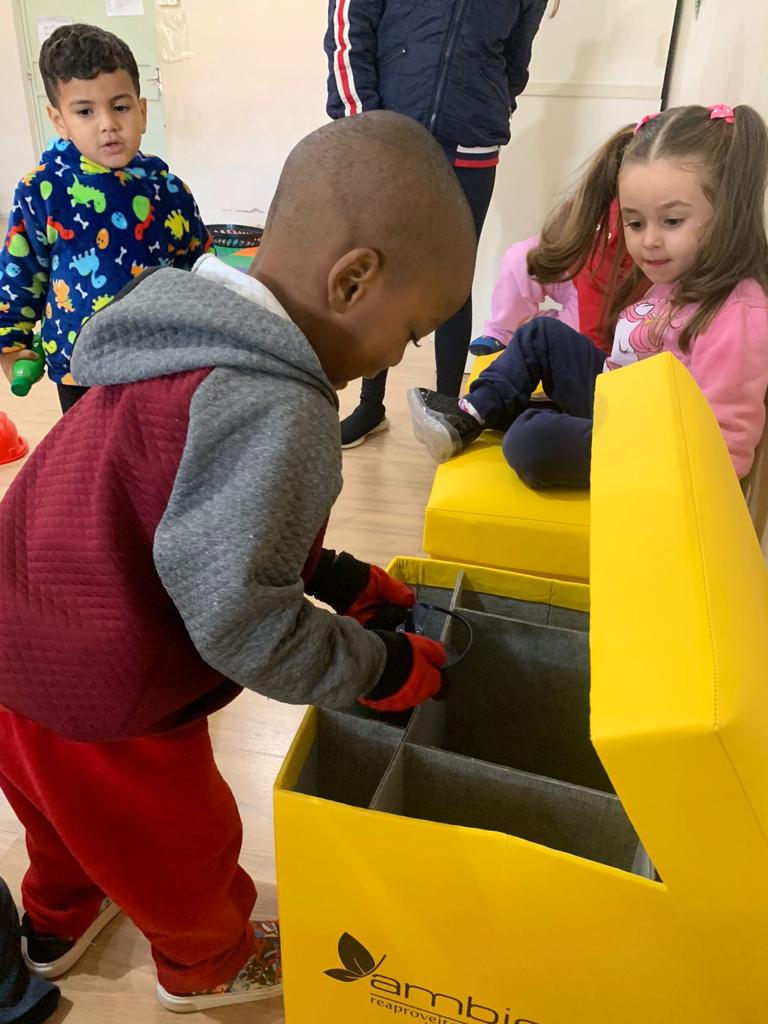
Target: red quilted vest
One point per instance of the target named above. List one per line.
(91, 645)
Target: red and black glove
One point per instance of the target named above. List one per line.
(411, 674)
(364, 591)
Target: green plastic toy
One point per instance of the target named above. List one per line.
(27, 372)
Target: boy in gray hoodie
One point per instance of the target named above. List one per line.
(164, 537)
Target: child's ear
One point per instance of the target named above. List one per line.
(351, 277)
(143, 109)
(57, 121)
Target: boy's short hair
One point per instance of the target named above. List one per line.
(83, 51)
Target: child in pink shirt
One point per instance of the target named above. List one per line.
(518, 295)
(690, 184)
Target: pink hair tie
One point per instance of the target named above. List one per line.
(645, 120)
(721, 112)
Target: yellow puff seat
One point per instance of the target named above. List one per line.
(480, 512)
(490, 862)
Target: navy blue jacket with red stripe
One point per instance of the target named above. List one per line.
(456, 66)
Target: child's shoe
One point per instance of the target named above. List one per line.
(485, 346)
(261, 977)
(443, 429)
(23, 1000)
(48, 956)
(368, 418)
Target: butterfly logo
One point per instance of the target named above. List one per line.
(358, 962)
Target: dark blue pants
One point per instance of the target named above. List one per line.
(546, 447)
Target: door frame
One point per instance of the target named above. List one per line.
(23, 48)
(26, 47)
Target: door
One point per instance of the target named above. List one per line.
(38, 19)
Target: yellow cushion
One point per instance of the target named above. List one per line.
(479, 365)
(480, 511)
(481, 362)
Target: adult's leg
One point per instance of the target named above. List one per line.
(453, 337)
(369, 417)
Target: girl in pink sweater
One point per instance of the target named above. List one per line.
(690, 183)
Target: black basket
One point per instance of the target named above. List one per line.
(235, 236)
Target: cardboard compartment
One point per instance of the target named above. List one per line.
(347, 759)
(525, 611)
(439, 786)
(520, 698)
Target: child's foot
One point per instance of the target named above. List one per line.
(368, 418)
(261, 977)
(48, 956)
(441, 426)
(485, 346)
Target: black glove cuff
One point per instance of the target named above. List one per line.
(338, 580)
(397, 668)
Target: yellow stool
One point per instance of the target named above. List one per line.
(480, 511)
(476, 866)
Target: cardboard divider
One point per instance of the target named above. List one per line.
(348, 758)
(438, 786)
(525, 611)
(520, 699)
(507, 748)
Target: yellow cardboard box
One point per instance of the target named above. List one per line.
(477, 865)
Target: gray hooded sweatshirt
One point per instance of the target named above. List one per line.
(259, 472)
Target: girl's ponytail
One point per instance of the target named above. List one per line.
(579, 227)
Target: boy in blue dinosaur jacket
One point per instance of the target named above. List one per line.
(95, 212)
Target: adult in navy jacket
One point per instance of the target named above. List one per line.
(457, 67)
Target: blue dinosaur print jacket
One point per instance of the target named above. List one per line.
(78, 233)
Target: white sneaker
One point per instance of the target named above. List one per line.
(47, 956)
(261, 977)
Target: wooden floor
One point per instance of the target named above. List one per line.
(379, 515)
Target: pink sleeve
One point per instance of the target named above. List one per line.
(730, 364)
(516, 295)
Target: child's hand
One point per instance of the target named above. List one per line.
(10, 355)
(355, 588)
(380, 594)
(411, 674)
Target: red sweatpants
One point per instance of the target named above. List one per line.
(148, 822)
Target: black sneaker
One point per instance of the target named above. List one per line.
(441, 426)
(48, 956)
(23, 1000)
(437, 402)
(368, 418)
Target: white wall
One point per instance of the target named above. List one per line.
(254, 87)
(256, 83)
(598, 65)
(17, 155)
(722, 57)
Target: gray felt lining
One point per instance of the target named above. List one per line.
(506, 750)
